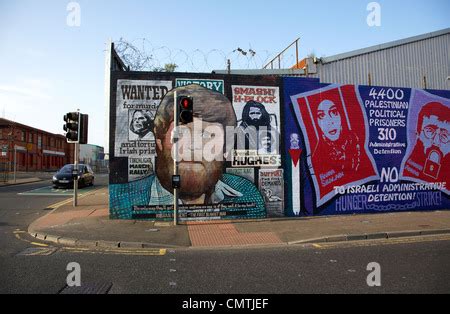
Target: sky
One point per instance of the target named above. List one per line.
(51, 64)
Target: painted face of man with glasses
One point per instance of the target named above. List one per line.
(435, 134)
(430, 157)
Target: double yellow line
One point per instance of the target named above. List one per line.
(368, 243)
(17, 234)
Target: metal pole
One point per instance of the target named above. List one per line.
(175, 163)
(15, 162)
(75, 180)
(75, 167)
(296, 53)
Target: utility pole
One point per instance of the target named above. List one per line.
(75, 175)
(15, 162)
(175, 160)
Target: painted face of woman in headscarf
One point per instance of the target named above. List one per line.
(329, 120)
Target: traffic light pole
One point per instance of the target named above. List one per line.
(75, 180)
(75, 164)
(175, 162)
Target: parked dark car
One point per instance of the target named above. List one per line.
(64, 178)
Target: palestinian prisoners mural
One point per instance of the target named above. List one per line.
(360, 149)
(266, 146)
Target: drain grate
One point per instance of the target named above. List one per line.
(37, 251)
(88, 288)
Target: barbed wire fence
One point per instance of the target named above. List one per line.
(142, 55)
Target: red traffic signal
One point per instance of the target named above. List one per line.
(185, 102)
(186, 109)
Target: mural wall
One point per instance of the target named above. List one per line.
(229, 157)
(360, 149)
(266, 146)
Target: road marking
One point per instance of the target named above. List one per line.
(351, 244)
(59, 204)
(317, 245)
(138, 252)
(39, 244)
(33, 251)
(49, 191)
(17, 234)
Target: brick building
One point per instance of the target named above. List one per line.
(36, 150)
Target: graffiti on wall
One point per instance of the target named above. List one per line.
(427, 159)
(137, 103)
(209, 190)
(258, 132)
(334, 126)
(359, 149)
(262, 148)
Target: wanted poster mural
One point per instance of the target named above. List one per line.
(137, 102)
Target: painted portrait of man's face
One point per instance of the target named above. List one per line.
(140, 123)
(200, 145)
(329, 120)
(255, 114)
(199, 170)
(434, 135)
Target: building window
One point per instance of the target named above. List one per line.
(22, 136)
(39, 141)
(30, 137)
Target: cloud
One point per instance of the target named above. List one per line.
(28, 101)
(29, 88)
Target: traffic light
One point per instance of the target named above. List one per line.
(186, 109)
(72, 126)
(76, 127)
(84, 120)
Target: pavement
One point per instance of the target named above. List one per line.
(88, 225)
(25, 178)
(19, 181)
